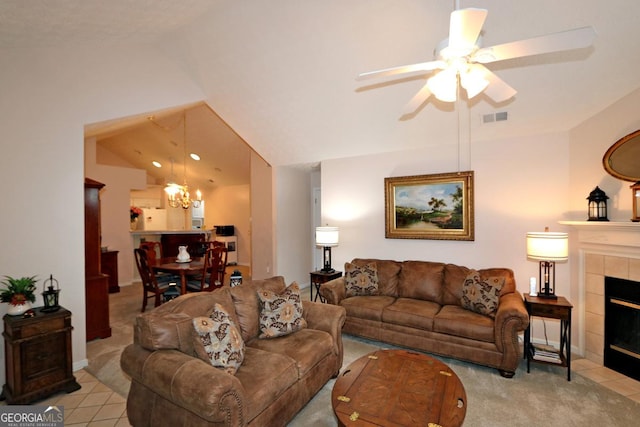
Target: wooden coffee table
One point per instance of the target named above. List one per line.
(398, 388)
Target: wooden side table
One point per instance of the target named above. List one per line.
(38, 359)
(318, 278)
(558, 308)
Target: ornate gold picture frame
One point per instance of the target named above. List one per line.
(437, 207)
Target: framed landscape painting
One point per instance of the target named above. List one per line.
(438, 207)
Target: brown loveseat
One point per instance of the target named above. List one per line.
(418, 305)
(170, 386)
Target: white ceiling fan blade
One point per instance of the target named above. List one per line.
(497, 89)
(464, 28)
(417, 100)
(423, 66)
(556, 42)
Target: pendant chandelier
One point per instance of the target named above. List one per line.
(178, 195)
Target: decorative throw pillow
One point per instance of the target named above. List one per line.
(219, 341)
(361, 280)
(481, 296)
(280, 314)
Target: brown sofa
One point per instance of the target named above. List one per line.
(419, 306)
(170, 386)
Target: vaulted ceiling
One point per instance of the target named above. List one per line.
(282, 73)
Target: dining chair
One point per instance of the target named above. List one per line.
(213, 271)
(154, 251)
(151, 287)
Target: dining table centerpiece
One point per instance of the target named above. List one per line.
(19, 293)
(134, 212)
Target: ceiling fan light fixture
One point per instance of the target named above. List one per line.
(444, 85)
(473, 81)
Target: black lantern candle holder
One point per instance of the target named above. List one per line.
(50, 295)
(597, 205)
(235, 279)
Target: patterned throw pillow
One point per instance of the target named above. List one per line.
(280, 314)
(219, 341)
(481, 296)
(361, 280)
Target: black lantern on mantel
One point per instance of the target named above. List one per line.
(50, 295)
(597, 205)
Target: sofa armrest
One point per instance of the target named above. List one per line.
(334, 291)
(188, 382)
(328, 318)
(511, 318)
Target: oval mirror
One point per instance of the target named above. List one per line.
(622, 159)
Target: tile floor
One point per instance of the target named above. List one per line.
(93, 405)
(609, 378)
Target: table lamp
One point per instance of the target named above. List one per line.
(548, 248)
(327, 237)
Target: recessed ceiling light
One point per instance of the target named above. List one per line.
(194, 156)
(156, 164)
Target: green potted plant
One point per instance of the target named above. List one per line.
(19, 293)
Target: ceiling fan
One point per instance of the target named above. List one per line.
(462, 56)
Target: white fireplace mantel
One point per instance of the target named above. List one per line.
(607, 232)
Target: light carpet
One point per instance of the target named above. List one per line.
(542, 397)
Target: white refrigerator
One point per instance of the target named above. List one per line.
(154, 219)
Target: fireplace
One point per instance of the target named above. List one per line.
(622, 326)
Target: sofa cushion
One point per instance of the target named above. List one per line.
(264, 376)
(170, 327)
(218, 340)
(369, 307)
(361, 280)
(421, 280)
(457, 321)
(411, 312)
(481, 295)
(247, 305)
(454, 277)
(306, 346)
(388, 271)
(280, 313)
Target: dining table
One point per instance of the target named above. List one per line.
(180, 268)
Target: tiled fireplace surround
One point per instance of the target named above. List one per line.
(604, 249)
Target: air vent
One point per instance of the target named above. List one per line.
(500, 116)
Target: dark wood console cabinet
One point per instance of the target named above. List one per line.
(37, 354)
(109, 265)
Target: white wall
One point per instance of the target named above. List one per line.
(48, 95)
(520, 185)
(294, 260)
(589, 141)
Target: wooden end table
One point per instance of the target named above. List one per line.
(552, 308)
(398, 388)
(38, 359)
(318, 278)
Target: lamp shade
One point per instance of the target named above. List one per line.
(327, 236)
(547, 246)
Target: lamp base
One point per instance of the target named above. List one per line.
(328, 270)
(547, 296)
